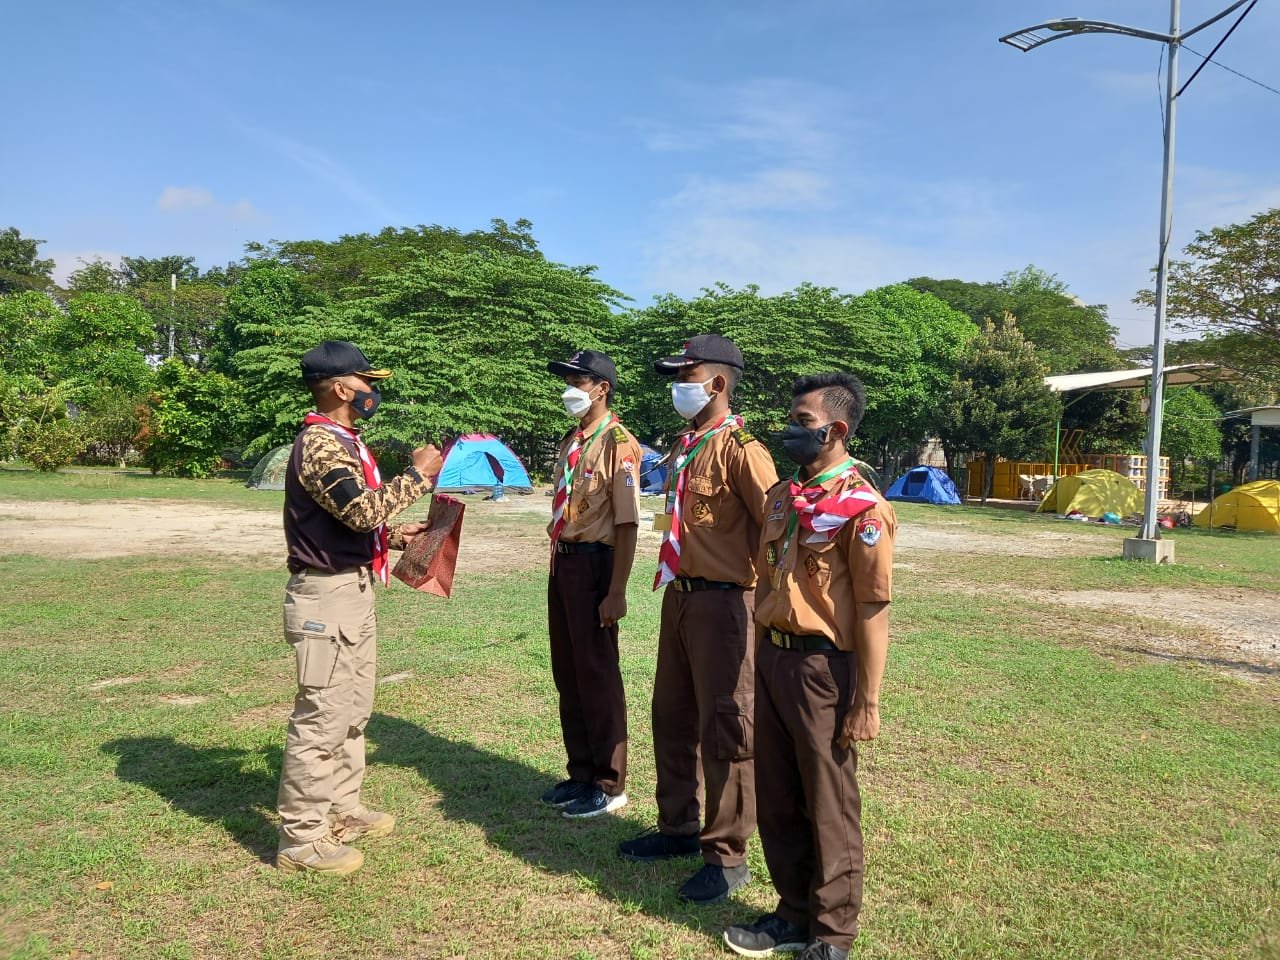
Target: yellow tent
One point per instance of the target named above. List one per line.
(1253, 506)
(1093, 493)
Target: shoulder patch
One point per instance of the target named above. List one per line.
(619, 434)
(744, 436)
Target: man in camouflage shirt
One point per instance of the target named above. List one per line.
(336, 509)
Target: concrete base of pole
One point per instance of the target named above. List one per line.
(1153, 551)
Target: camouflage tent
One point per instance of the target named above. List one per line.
(269, 472)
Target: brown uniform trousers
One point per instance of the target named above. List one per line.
(703, 718)
(330, 623)
(809, 806)
(584, 664)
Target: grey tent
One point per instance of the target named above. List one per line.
(269, 472)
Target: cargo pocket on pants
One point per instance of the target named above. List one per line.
(734, 723)
(317, 656)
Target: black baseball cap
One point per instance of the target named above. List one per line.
(591, 362)
(707, 348)
(337, 358)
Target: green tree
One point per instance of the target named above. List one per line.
(1229, 288)
(20, 265)
(1189, 436)
(346, 268)
(1069, 335)
(96, 276)
(190, 419)
(99, 345)
(139, 271)
(467, 334)
(999, 405)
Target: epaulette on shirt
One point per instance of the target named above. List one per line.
(619, 434)
(744, 436)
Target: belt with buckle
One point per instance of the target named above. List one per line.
(573, 546)
(690, 584)
(791, 641)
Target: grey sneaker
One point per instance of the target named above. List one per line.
(565, 792)
(769, 934)
(594, 802)
(361, 822)
(327, 855)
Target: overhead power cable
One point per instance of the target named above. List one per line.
(1223, 66)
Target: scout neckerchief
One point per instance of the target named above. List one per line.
(372, 480)
(669, 554)
(823, 516)
(568, 473)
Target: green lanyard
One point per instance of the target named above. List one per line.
(679, 464)
(582, 453)
(793, 521)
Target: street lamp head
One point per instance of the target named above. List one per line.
(1064, 25)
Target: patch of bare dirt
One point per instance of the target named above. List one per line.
(1040, 543)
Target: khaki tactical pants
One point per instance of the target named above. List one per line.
(330, 623)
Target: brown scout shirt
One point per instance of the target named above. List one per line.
(726, 484)
(816, 596)
(331, 477)
(606, 484)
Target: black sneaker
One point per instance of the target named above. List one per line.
(821, 950)
(565, 792)
(594, 802)
(712, 884)
(768, 935)
(652, 845)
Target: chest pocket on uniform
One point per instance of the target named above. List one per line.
(702, 509)
(816, 560)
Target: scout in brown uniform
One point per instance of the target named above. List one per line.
(335, 513)
(594, 521)
(822, 613)
(703, 689)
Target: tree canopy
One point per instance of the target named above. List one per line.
(20, 265)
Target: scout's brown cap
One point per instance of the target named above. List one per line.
(591, 362)
(707, 348)
(337, 358)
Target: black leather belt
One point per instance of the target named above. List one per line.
(790, 641)
(570, 546)
(690, 584)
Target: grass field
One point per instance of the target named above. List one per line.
(1042, 788)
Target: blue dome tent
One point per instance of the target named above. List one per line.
(476, 460)
(923, 485)
(653, 472)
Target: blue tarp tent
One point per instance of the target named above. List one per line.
(923, 485)
(653, 477)
(470, 462)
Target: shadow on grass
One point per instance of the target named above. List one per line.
(1237, 666)
(223, 785)
(500, 796)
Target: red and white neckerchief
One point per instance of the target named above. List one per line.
(372, 480)
(568, 473)
(669, 553)
(824, 516)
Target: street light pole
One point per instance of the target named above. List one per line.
(1148, 545)
(1150, 531)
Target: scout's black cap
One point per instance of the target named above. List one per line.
(337, 358)
(707, 348)
(591, 362)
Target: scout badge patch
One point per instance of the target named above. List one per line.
(811, 565)
(771, 555)
(701, 510)
(869, 531)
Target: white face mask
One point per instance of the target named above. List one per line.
(576, 401)
(690, 398)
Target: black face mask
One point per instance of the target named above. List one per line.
(804, 445)
(365, 402)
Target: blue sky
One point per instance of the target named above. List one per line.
(673, 145)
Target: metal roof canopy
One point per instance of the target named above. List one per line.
(1179, 375)
(1258, 416)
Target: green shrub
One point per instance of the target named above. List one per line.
(189, 420)
(51, 445)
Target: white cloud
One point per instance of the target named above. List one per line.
(178, 199)
(775, 189)
(183, 200)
